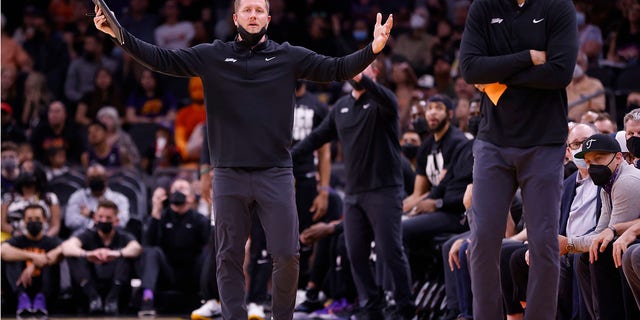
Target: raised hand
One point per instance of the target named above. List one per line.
(100, 21)
(381, 33)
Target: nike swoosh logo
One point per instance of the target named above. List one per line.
(230, 60)
(269, 59)
(537, 21)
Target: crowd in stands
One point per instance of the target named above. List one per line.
(106, 204)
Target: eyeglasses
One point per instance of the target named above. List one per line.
(576, 144)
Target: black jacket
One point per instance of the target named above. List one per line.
(249, 92)
(368, 130)
(495, 48)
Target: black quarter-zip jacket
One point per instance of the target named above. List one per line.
(495, 48)
(368, 130)
(249, 92)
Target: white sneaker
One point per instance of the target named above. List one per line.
(207, 311)
(301, 296)
(255, 311)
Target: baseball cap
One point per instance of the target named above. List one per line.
(599, 143)
(441, 98)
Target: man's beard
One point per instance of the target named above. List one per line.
(440, 125)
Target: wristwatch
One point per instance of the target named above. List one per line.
(439, 203)
(571, 248)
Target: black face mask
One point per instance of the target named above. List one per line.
(600, 174)
(97, 185)
(105, 227)
(90, 56)
(251, 39)
(34, 227)
(177, 198)
(410, 151)
(420, 125)
(356, 85)
(474, 125)
(633, 144)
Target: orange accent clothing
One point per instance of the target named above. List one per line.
(187, 119)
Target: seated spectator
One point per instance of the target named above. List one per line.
(56, 132)
(417, 44)
(582, 87)
(83, 203)
(410, 143)
(174, 240)
(589, 35)
(29, 264)
(104, 93)
(116, 136)
(30, 188)
(605, 124)
(627, 255)
(189, 121)
(100, 152)
(163, 153)
(600, 284)
(9, 166)
(100, 259)
(173, 33)
(149, 103)
(82, 70)
(12, 52)
(37, 99)
(11, 131)
(405, 83)
(624, 46)
(330, 273)
(632, 134)
(57, 163)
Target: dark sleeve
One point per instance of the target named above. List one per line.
(205, 229)
(180, 62)
(324, 133)
(86, 238)
(154, 233)
(125, 238)
(17, 242)
(409, 176)
(50, 243)
(562, 51)
(476, 64)
(382, 96)
(320, 68)
(204, 152)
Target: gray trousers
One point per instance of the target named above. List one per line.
(375, 216)
(497, 173)
(270, 194)
(631, 267)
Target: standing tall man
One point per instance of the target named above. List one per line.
(367, 124)
(249, 92)
(531, 47)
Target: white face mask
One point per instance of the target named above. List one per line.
(417, 21)
(580, 163)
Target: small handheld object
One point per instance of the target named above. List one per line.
(111, 19)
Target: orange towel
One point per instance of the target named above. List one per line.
(494, 91)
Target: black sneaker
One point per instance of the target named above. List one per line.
(95, 305)
(147, 309)
(309, 306)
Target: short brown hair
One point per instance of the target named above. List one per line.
(9, 146)
(109, 205)
(236, 5)
(35, 206)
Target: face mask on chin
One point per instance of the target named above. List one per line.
(251, 39)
